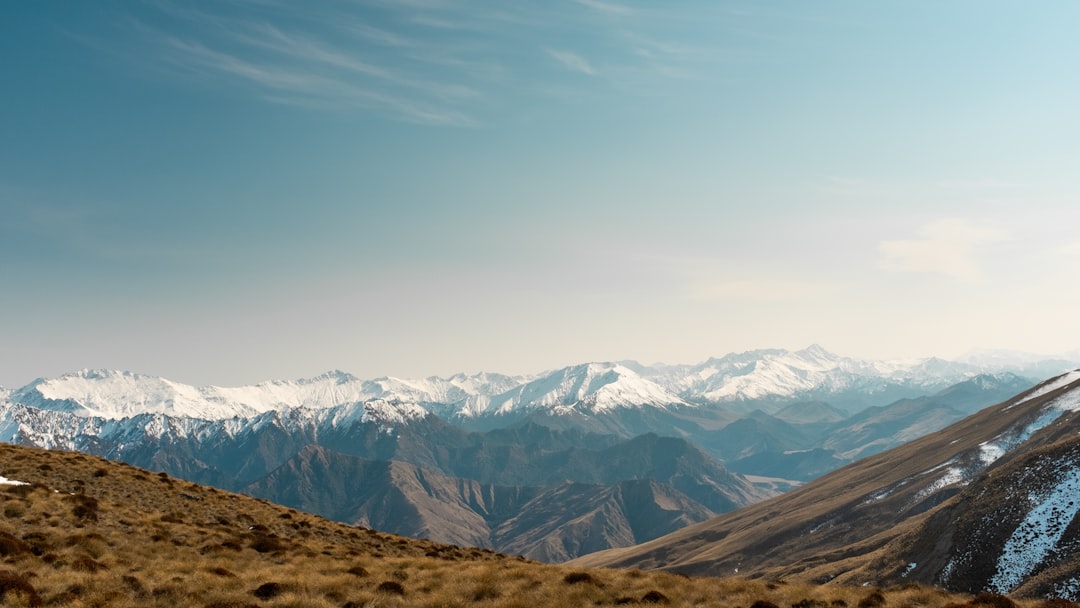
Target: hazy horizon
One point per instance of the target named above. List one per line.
(231, 192)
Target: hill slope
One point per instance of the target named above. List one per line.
(87, 532)
(865, 521)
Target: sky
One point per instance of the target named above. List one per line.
(228, 192)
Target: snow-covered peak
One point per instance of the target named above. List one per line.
(116, 394)
(810, 373)
(595, 387)
(784, 374)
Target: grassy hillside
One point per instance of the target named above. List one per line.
(88, 532)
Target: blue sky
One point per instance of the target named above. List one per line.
(225, 192)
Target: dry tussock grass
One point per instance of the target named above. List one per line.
(94, 533)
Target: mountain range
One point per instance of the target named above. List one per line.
(627, 452)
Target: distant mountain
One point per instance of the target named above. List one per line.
(779, 377)
(661, 485)
(113, 395)
(608, 434)
(740, 382)
(878, 428)
(1022, 363)
(594, 387)
(398, 467)
(989, 502)
(802, 451)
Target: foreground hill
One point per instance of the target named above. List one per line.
(987, 503)
(81, 531)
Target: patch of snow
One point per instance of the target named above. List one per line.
(952, 475)
(1068, 589)
(1038, 534)
(909, 569)
(947, 571)
(990, 451)
(4, 481)
(1050, 387)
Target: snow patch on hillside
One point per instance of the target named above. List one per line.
(952, 476)
(1038, 534)
(1050, 387)
(990, 451)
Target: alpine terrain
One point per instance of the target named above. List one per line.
(76, 530)
(629, 452)
(988, 503)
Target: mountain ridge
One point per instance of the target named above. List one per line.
(768, 374)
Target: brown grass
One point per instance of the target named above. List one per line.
(89, 532)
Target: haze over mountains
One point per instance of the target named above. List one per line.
(629, 452)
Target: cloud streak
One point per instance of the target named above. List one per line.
(948, 247)
(305, 88)
(419, 61)
(572, 61)
(607, 8)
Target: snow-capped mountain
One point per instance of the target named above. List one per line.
(114, 394)
(593, 387)
(775, 377)
(66, 430)
(782, 374)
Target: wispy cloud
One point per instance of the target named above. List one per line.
(313, 76)
(422, 61)
(947, 247)
(608, 8)
(305, 48)
(572, 61)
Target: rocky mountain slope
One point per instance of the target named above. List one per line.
(550, 523)
(987, 503)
